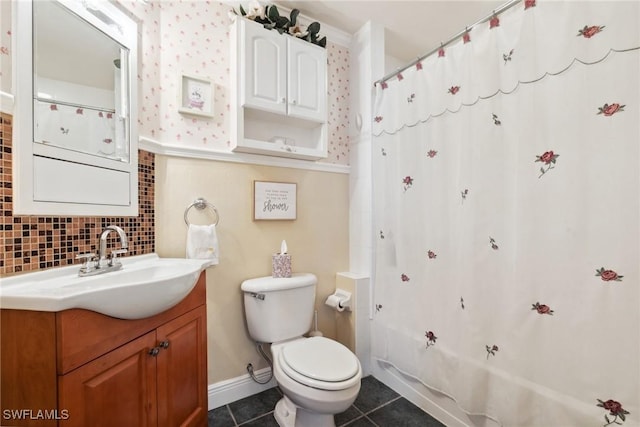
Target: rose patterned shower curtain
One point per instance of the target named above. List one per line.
(507, 217)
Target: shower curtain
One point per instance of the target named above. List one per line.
(506, 176)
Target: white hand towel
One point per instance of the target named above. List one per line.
(202, 243)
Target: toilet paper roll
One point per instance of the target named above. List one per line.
(335, 302)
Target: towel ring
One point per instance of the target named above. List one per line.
(201, 204)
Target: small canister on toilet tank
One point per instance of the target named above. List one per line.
(281, 265)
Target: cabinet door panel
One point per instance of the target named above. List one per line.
(307, 85)
(265, 69)
(117, 389)
(28, 365)
(182, 371)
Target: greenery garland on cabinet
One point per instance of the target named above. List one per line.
(271, 19)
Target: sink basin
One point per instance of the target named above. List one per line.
(146, 285)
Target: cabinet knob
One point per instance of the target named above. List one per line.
(294, 102)
(283, 100)
(164, 344)
(154, 351)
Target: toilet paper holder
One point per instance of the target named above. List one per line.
(340, 300)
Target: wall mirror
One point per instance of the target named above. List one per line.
(75, 109)
(79, 98)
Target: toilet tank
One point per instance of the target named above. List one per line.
(278, 309)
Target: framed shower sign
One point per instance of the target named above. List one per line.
(274, 200)
(195, 95)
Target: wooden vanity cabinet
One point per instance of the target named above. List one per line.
(81, 368)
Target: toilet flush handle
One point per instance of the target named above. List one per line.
(257, 295)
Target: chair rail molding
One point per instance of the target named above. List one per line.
(173, 150)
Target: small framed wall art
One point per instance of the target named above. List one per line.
(195, 95)
(274, 200)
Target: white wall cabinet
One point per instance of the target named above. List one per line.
(279, 94)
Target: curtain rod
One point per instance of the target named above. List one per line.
(495, 12)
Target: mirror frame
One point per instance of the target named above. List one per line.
(25, 150)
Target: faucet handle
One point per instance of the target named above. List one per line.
(114, 256)
(89, 256)
(86, 257)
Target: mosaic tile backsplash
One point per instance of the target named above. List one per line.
(32, 243)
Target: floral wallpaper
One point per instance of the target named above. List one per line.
(5, 46)
(507, 200)
(338, 57)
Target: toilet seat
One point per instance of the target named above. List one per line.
(320, 363)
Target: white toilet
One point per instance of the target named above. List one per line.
(319, 377)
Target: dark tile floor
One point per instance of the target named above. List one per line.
(376, 405)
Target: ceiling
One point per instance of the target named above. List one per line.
(412, 27)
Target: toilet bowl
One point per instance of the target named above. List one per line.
(319, 378)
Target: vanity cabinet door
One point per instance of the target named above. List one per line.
(307, 80)
(117, 389)
(264, 71)
(182, 370)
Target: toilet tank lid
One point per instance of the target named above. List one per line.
(271, 284)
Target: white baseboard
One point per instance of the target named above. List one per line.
(444, 410)
(227, 391)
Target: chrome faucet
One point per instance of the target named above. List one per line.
(92, 265)
(113, 258)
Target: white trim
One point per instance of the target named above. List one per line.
(6, 103)
(227, 391)
(353, 275)
(164, 149)
(394, 379)
(334, 35)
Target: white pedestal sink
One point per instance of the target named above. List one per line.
(146, 285)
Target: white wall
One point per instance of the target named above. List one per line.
(367, 65)
(391, 64)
